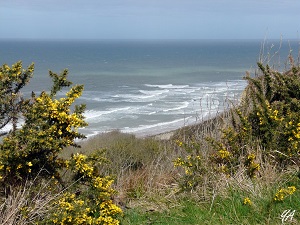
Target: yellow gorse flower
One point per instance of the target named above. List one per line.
(81, 165)
(247, 201)
(179, 143)
(251, 157)
(284, 192)
(178, 162)
(224, 153)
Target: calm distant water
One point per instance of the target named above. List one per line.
(143, 87)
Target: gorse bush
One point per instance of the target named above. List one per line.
(193, 164)
(266, 121)
(247, 169)
(11, 102)
(32, 151)
(88, 199)
(49, 126)
(274, 118)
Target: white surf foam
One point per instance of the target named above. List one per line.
(153, 92)
(182, 106)
(157, 126)
(91, 114)
(166, 86)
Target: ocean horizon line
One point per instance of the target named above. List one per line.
(148, 39)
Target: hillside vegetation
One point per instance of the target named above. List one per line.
(240, 167)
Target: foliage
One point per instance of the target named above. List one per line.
(267, 121)
(236, 207)
(12, 104)
(243, 168)
(275, 118)
(88, 200)
(49, 126)
(33, 153)
(284, 192)
(193, 164)
(270, 110)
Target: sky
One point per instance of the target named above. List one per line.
(149, 19)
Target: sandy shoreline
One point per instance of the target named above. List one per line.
(164, 136)
(167, 134)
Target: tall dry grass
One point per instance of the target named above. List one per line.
(26, 204)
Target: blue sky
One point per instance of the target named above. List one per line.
(149, 19)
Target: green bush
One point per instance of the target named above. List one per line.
(264, 127)
(275, 118)
(49, 126)
(32, 152)
(88, 198)
(11, 102)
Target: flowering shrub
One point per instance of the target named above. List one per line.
(267, 118)
(231, 151)
(92, 203)
(49, 126)
(252, 166)
(274, 98)
(226, 154)
(192, 164)
(284, 193)
(32, 152)
(12, 80)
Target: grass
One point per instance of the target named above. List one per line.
(148, 190)
(149, 193)
(148, 183)
(210, 182)
(227, 209)
(138, 165)
(26, 204)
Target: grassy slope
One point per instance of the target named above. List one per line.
(148, 184)
(145, 179)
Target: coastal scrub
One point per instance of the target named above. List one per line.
(43, 125)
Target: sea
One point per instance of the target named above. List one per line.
(146, 87)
